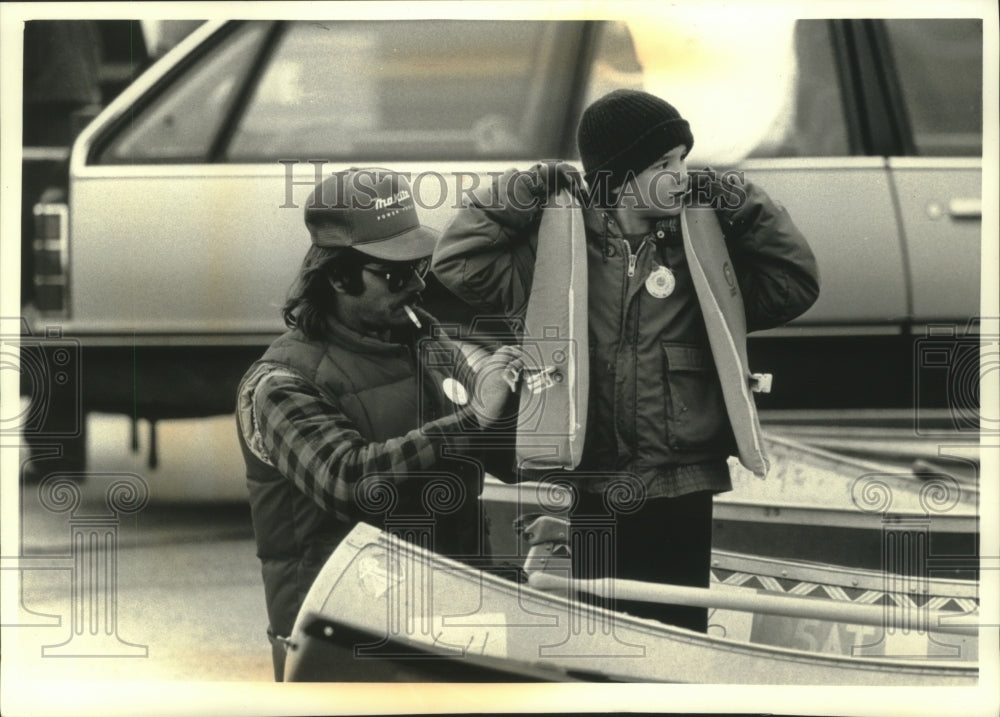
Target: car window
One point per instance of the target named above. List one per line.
(773, 92)
(181, 123)
(940, 68)
(404, 90)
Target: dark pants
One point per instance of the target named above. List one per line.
(278, 654)
(667, 540)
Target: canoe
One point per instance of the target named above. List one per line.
(827, 507)
(399, 603)
(906, 600)
(814, 505)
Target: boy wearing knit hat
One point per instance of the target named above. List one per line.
(629, 135)
(662, 421)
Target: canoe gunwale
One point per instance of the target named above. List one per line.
(365, 538)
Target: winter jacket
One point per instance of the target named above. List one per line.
(656, 409)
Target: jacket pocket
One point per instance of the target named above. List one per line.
(600, 444)
(695, 411)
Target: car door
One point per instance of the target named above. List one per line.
(936, 66)
(936, 84)
(194, 181)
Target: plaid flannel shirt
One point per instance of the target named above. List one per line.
(308, 438)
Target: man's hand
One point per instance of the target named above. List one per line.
(494, 384)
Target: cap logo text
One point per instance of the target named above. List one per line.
(397, 198)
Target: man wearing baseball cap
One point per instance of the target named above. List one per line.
(341, 412)
(662, 417)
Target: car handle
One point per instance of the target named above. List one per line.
(965, 208)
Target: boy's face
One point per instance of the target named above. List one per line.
(658, 190)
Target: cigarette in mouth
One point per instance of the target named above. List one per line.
(413, 316)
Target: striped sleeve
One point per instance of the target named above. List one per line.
(311, 441)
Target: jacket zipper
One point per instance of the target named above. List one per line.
(633, 259)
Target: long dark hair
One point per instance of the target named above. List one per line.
(312, 299)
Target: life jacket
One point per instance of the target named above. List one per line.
(670, 384)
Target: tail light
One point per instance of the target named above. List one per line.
(51, 254)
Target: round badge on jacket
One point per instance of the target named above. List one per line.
(661, 282)
(455, 391)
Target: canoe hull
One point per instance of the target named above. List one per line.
(814, 505)
(910, 604)
(407, 595)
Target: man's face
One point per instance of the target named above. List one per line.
(387, 288)
(658, 190)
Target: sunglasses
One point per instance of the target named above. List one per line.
(398, 276)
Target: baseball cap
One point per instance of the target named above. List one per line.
(371, 210)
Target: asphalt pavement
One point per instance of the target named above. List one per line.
(135, 573)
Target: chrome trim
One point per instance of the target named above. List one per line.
(174, 340)
(963, 327)
(450, 168)
(45, 154)
(849, 416)
(812, 163)
(793, 330)
(47, 244)
(934, 162)
(966, 208)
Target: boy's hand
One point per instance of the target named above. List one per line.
(523, 194)
(554, 175)
(725, 194)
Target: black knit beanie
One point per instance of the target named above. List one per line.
(628, 130)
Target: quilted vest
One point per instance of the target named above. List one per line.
(378, 387)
